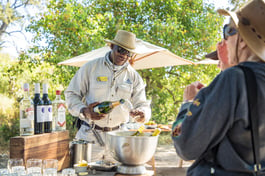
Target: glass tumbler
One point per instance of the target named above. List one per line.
(50, 167)
(16, 165)
(34, 166)
(68, 172)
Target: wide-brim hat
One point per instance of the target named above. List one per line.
(250, 22)
(213, 55)
(124, 39)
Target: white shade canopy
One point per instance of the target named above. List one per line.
(149, 56)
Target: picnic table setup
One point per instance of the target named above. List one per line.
(56, 146)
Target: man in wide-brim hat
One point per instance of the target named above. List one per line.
(108, 78)
(214, 127)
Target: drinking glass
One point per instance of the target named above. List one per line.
(68, 172)
(50, 167)
(34, 166)
(16, 165)
(4, 171)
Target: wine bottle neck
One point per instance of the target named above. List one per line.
(26, 94)
(116, 103)
(58, 97)
(45, 95)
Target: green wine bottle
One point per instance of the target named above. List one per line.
(107, 106)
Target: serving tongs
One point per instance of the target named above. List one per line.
(98, 136)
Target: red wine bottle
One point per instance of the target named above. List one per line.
(47, 103)
(38, 111)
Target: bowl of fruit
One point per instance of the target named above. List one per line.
(150, 125)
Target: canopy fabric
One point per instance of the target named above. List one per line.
(207, 61)
(148, 56)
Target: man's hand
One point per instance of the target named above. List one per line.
(138, 115)
(90, 114)
(191, 91)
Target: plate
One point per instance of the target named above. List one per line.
(103, 166)
(150, 126)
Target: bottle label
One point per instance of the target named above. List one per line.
(40, 114)
(61, 115)
(26, 117)
(96, 109)
(48, 113)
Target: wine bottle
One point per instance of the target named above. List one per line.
(38, 111)
(26, 112)
(156, 132)
(139, 131)
(47, 110)
(59, 108)
(107, 106)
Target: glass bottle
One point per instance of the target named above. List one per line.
(107, 106)
(59, 109)
(38, 111)
(47, 103)
(26, 113)
(139, 131)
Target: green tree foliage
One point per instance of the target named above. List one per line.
(188, 28)
(13, 13)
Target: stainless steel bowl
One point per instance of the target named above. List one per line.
(131, 150)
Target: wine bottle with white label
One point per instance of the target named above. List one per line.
(26, 113)
(38, 111)
(47, 103)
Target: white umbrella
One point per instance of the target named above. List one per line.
(207, 61)
(149, 56)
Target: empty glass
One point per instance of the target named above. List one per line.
(16, 165)
(68, 172)
(4, 171)
(34, 166)
(50, 167)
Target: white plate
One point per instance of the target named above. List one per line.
(98, 165)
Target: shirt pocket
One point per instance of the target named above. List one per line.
(124, 91)
(98, 90)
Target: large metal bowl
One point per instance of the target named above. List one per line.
(131, 150)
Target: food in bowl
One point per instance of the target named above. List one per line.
(150, 125)
(81, 166)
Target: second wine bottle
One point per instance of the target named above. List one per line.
(47, 103)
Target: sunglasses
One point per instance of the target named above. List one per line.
(228, 31)
(123, 51)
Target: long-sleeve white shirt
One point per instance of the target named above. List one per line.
(99, 80)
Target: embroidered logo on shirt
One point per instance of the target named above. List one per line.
(177, 128)
(189, 113)
(102, 78)
(128, 81)
(196, 102)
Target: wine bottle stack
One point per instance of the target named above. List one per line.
(41, 115)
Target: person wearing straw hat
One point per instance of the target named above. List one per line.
(220, 54)
(108, 78)
(215, 128)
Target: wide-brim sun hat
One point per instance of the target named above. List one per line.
(250, 22)
(213, 55)
(124, 39)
